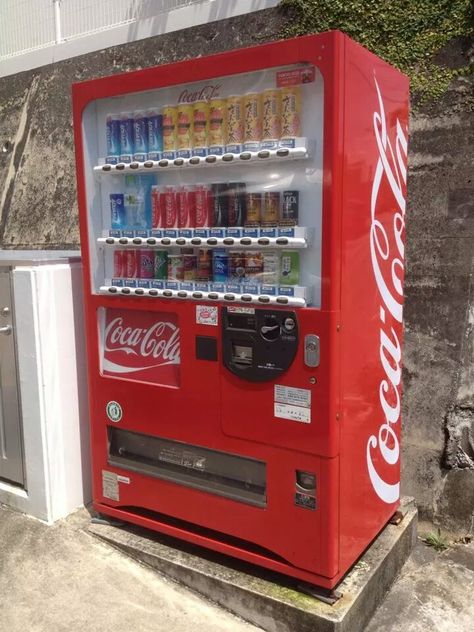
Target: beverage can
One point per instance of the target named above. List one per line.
(118, 215)
(290, 208)
(237, 203)
(271, 208)
(237, 265)
(252, 121)
(290, 267)
(130, 263)
(202, 203)
(175, 268)
(200, 125)
(254, 265)
(140, 135)
(254, 209)
(135, 203)
(155, 134)
(161, 264)
(217, 126)
(189, 267)
(169, 207)
(146, 263)
(235, 124)
(271, 118)
(119, 263)
(271, 268)
(220, 203)
(126, 136)
(170, 117)
(157, 215)
(290, 112)
(220, 264)
(112, 122)
(185, 198)
(184, 125)
(204, 265)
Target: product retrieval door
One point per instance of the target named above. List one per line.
(11, 454)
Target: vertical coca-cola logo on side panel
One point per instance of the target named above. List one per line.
(387, 231)
(141, 346)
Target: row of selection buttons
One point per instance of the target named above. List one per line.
(282, 242)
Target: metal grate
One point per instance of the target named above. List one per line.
(27, 25)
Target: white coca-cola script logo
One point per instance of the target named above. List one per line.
(155, 346)
(387, 255)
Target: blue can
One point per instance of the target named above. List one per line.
(113, 138)
(155, 134)
(140, 129)
(220, 264)
(127, 144)
(118, 215)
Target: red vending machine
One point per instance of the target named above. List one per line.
(242, 224)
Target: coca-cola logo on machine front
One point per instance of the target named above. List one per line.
(387, 207)
(142, 346)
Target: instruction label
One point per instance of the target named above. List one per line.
(294, 413)
(294, 396)
(110, 485)
(207, 315)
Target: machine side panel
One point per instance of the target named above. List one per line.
(374, 193)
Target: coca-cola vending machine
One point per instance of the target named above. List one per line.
(242, 224)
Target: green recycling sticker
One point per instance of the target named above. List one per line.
(114, 411)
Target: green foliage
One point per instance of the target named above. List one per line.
(437, 541)
(406, 33)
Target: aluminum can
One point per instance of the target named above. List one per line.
(220, 203)
(237, 203)
(119, 263)
(155, 134)
(170, 117)
(271, 118)
(202, 202)
(189, 267)
(252, 121)
(184, 133)
(204, 265)
(185, 198)
(157, 215)
(270, 208)
(169, 207)
(200, 124)
(235, 124)
(126, 136)
(253, 209)
(254, 265)
(217, 125)
(140, 135)
(146, 264)
(220, 264)
(112, 122)
(290, 112)
(271, 267)
(290, 208)
(237, 265)
(118, 214)
(130, 263)
(161, 264)
(290, 267)
(175, 268)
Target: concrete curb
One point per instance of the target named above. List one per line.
(262, 598)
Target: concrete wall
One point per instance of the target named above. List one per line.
(38, 209)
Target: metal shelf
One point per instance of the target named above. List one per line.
(208, 242)
(214, 297)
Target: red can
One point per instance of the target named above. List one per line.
(119, 263)
(157, 215)
(146, 264)
(130, 263)
(202, 205)
(204, 265)
(169, 207)
(186, 207)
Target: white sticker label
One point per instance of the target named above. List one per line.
(110, 487)
(207, 315)
(295, 413)
(241, 310)
(293, 396)
(123, 479)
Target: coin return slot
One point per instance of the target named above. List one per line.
(242, 354)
